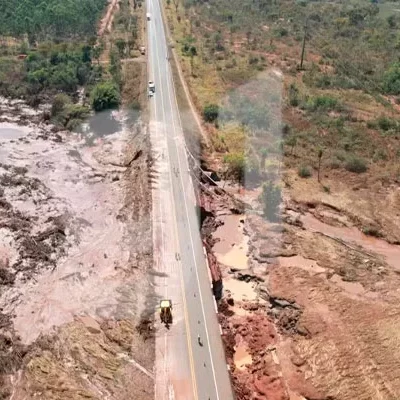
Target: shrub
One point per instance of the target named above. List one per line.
(323, 103)
(304, 172)
(380, 154)
(236, 166)
(59, 103)
(105, 95)
(271, 198)
(356, 165)
(211, 112)
(294, 100)
(326, 189)
(391, 79)
(334, 164)
(386, 124)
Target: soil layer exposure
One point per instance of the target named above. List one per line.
(75, 255)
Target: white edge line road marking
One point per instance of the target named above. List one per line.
(194, 383)
(190, 234)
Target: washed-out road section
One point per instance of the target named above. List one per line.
(185, 369)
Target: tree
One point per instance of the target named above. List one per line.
(391, 79)
(264, 154)
(97, 53)
(320, 152)
(210, 112)
(303, 47)
(271, 198)
(105, 95)
(291, 141)
(235, 166)
(120, 43)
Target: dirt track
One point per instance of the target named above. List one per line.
(74, 275)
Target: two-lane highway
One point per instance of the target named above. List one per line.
(185, 369)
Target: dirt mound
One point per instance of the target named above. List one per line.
(78, 362)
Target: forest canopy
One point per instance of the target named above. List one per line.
(44, 19)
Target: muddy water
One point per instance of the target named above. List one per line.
(240, 290)
(301, 262)
(232, 247)
(242, 357)
(10, 131)
(391, 253)
(88, 279)
(105, 123)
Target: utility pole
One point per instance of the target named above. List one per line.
(304, 43)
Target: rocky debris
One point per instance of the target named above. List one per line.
(268, 241)
(39, 243)
(262, 378)
(248, 276)
(146, 328)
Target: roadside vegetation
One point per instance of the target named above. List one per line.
(333, 108)
(50, 52)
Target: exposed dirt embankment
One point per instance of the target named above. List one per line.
(75, 253)
(311, 304)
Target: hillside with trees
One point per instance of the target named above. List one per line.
(43, 20)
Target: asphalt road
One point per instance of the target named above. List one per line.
(184, 369)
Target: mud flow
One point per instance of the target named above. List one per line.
(75, 245)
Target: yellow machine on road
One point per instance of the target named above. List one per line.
(166, 312)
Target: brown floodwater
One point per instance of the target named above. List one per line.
(232, 247)
(88, 279)
(390, 252)
(242, 357)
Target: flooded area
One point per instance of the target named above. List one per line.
(240, 290)
(106, 123)
(391, 253)
(301, 262)
(232, 246)
(69, 196)
(242, 357)
(9, 131)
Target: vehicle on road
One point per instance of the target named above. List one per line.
(142, 50)
(166, 312)
(150, 93)
(152, 87)
(148, 16)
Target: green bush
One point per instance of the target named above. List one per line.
(59, 103)
(323, 103)
(271, 198)
(304, 172)
(391, 79)
(356, 165)
(105, 95)
(211, 112)
(386, 124)
(236, 166)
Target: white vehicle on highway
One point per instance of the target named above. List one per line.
(148, 16)
(152, 87)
